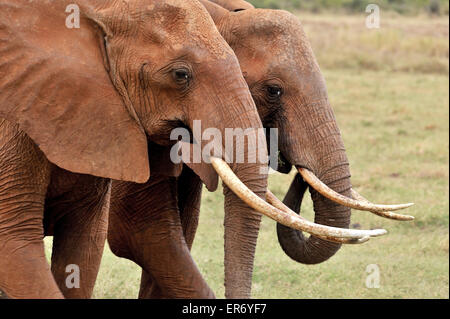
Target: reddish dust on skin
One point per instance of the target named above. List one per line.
(181, 21)
(282, 32)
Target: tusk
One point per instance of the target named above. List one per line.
(273, 200)
(251, 199)
(347, 241)
(386, 214)
(357, 203)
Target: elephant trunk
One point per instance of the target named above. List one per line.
(241, 233)
(314, 250)
(328, 160)
(241, 222)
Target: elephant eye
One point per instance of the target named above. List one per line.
(181, 76)
(274, 92)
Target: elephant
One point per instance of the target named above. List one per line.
(81, 106)
(231, 5)
(290, 94)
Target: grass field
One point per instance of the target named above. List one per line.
(389, 90)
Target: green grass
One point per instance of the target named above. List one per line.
(394, 121)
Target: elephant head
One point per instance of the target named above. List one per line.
(290, 93)
(90, 96)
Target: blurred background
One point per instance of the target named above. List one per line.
(409, 7)
(389, 91)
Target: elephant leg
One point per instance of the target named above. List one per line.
(79, 236)
(145, 226)
(24, 270)
(149, 289)
(189, 200)
(24, 178)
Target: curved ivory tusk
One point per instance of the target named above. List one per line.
(251, 199)
(273, 200)
(357, 203)
(386, 214)
(347, 241)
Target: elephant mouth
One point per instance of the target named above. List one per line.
(163, 129)
(284, 166)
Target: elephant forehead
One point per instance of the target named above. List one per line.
(180, 24)
(275, 38)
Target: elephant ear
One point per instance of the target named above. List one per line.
(54, 85)
(234, 5)
(216, 12)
